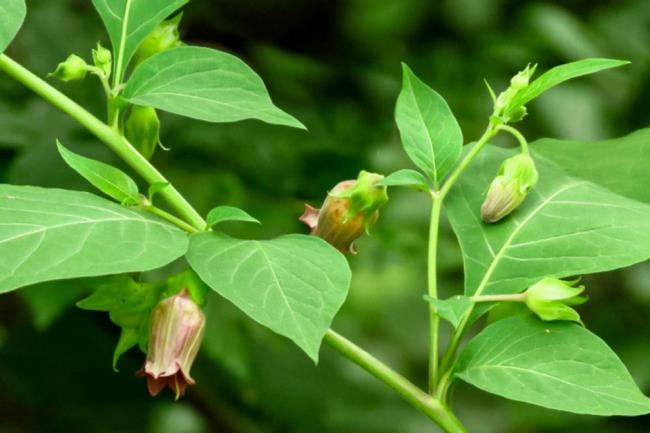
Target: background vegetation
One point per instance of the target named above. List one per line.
(336, 66)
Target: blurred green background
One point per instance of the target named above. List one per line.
(336, 66)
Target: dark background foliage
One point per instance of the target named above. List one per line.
(336, 66)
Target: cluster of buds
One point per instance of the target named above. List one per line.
(162, 38)
(177, 325)
(74, 68)
(552, 299)
(504, 109)
(349, 210)
(516, 177)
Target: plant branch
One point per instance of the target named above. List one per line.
(518, 135)
(431, 407)
(432, 275)
(111, 137)
(518, 297)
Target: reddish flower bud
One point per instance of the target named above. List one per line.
(175, 335)
(349, 210)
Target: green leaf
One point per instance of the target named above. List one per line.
(108, 179)
(52, 234)
(204, 84)
(228, 213)
(560, 74)
(293, 285)
(620, 164)
(12, 15)
(430, 133)
(453, 309)
(406, 177)
(557, 365)
(565, 227)
(129, 22)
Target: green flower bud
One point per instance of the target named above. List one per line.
(102, 58)
(142, 129)
(516, 177)
(503, 106)
(74, 68)
(551, 299)
(163, 37)
(349, 210)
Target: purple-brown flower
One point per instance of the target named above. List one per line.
(349, 210)
(175, 334)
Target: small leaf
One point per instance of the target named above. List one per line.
(204, 84)
(293, 285)
(560, 74)
(558, 365)
(12, 15)
(129, 22)
(108, 179)
(406, 177)
(51, 234)
(228, 213)
(453, 309)
(430, 133)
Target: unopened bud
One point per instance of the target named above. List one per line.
(142, 129)
(102, 59)
(177, 325)
(504, 108)
(552, 299)
(72, 69)
(163, 37)
(516, 177)
(349, 210)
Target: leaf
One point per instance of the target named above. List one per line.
(620, 164)
(129, 22)
(293, 284)
(228, 213)
(120, 293)
(453, 309)
(406, 177)
(557, 365)
(52, 234)
(430, 133)
(560, 74)
(108, 179)
(12, 15)
(204, 84)
(565, 227)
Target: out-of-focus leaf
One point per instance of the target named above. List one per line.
(12, 15)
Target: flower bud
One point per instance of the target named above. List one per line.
(142, 129)
(504, 108)
(516, 176)
(176, 330)
(349, 210)
(551, 299)
(163, 37)
(74, 68)
(102, 58)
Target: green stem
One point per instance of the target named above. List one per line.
(518, 135)
(432, 274)
(171, 218)
(428, 405)
(112, 138)
(118, 73)
(519, 297)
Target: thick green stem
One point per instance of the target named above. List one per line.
(432, 275)
(431, 407)
(112, 138)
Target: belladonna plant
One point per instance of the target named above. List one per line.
(554, 211)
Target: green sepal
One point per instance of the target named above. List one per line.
(366, 197)
(552, 299)
(189, 280)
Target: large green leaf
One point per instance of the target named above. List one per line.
(621, 165)
(128, 22)
(294, 284)
(12, 15)
(51, 234)
(566, 226)
(558, 365)
(204, 84)
(430, 133)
